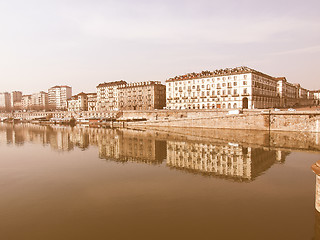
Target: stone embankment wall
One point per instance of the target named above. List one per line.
(207, 119)
(298, 121)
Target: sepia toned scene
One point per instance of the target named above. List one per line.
(159, 120)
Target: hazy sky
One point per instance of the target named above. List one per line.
(83, 43)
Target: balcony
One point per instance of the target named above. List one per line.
(235, 95)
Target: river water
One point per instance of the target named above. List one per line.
(89, 183)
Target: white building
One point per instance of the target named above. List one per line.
(40, 101)
(58, 96)
(240, 87)
(78, 103)
(107, 96)
(5, 101)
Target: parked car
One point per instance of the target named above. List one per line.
(276, 110)
(292, 110)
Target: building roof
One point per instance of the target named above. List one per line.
(217, 73)
(281, 78)
(110, 84)
(63, 86)
(140, 84)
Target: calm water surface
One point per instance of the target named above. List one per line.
(82, 183)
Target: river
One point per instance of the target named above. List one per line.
(92, 183)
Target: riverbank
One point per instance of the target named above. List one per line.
(266, 120)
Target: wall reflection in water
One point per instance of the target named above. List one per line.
(197, 155)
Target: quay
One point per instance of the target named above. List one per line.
(253, 119)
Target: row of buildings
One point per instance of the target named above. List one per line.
(240, 87)
(120, 95)
(230, 88)
(55, 98)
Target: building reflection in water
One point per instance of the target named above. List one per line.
(225, 160)
(200, 156)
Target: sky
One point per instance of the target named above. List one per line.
(83, 43)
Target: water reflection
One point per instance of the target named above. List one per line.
(225, 160)
(197, 155)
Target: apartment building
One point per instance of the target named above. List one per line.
(58, 96)
(142, 96)
(26, 102)
(92, 101)
(316, 97)
(107, 96)
(16, 97)
(239, 87)
(40, 101)
(5, 101)
(78, 103)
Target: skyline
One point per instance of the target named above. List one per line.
(82, 43)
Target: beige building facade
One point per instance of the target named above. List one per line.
(142, 96)
(26, 102)
(16, 98)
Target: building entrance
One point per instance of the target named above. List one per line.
(245, 103)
